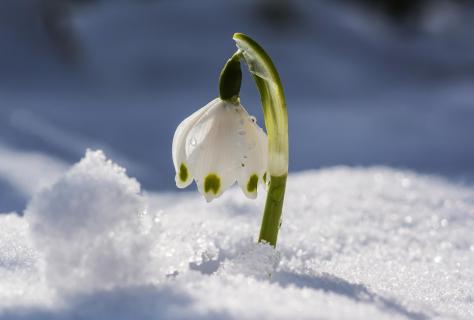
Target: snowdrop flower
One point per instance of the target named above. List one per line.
(218, 145)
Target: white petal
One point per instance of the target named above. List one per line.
(183, 177)
(254, 156)
(212, 149)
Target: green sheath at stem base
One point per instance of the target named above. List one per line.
(272, 213)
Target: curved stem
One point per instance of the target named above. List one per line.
(276, 122)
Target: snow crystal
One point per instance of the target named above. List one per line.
(259, 261)
(88, 227)
(20, 279)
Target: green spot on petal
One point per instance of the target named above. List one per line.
(212, 183)
(252, 184)
(183, 173)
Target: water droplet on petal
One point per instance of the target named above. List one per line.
(193, 142)
(253, 119)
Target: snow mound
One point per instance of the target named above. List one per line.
(355, 243)
(88, 227)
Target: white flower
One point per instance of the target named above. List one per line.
(217, 145)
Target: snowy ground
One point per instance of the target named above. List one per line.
(356, 243)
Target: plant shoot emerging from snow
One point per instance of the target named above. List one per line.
(221, 143)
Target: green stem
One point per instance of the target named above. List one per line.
(276, 122)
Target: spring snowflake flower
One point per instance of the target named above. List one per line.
(218, 145)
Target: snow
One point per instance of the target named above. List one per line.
(356, 243)
(86, 225)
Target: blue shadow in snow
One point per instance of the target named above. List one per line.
(339, 286)
(140, 302)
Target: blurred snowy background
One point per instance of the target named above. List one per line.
(367, 82)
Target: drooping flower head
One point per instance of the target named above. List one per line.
(218, 145)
